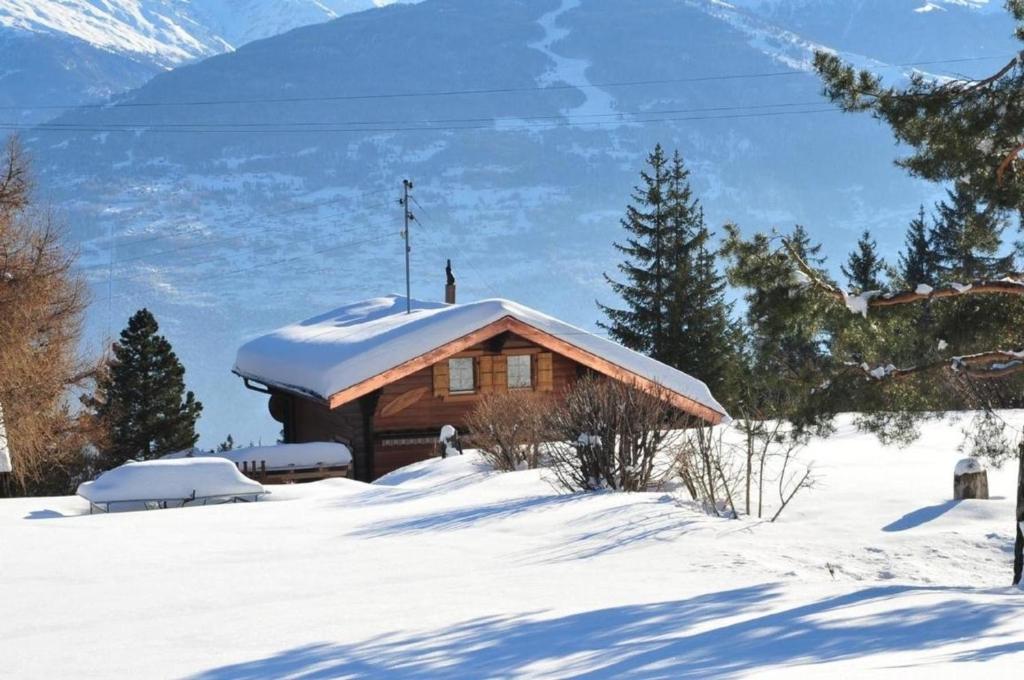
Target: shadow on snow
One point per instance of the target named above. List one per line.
(648, 641)
(914, 519)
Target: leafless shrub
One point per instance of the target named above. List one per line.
(510, 428)
(609, 435)
(789, 482)
(705, 466)
(714, 467)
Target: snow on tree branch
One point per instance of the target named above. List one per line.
(984, 365)
(859, 304)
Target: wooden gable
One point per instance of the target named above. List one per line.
(434, 363)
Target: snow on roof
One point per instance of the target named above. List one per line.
(280, 457)
(344, 347)
(169, 480)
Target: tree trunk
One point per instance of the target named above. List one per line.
(750, 465)
(1018, 545)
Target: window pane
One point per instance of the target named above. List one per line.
(519, 371)
(460, 375)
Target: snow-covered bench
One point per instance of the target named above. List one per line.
(169, 483)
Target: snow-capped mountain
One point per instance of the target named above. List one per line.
(258, 186)
(55, 52)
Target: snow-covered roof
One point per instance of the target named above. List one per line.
(169, 480)
(279, 457)
(338, 350)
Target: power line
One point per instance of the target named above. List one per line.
(437, 249)
(568, 123)
(480, 91)
(420, 121)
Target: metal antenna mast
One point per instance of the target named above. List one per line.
(408, 217)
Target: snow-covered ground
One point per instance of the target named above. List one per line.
(444, 569)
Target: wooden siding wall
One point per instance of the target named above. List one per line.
(410, 410)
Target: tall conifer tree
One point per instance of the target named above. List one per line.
(675, 302)
(917, 262)
(863, 267)
(702, 342)
(140, 400)
(648, 223)
(968, 238)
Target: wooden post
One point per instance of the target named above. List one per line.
(1018, 544)
(364, 460)
(263, 471)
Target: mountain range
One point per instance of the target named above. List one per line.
(235, 192)
(57, 53)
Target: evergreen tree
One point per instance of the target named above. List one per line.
(226, 445)
(702, 338)
(675, 302)
(917, 263)
(784, 357)
(647, 267)
(863, 266)
(967, 240)
(140, 400)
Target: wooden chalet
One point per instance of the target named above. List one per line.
(384, 382)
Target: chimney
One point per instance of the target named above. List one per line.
(449, 286)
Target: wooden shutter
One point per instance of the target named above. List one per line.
(500, 368)
(545, 378)
(485, 374)
(441, 379)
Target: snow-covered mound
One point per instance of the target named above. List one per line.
(170, 480)
(279, 457)
(446, 569)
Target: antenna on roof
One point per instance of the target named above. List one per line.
(408, 217)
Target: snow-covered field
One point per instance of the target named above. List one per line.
(445, 570)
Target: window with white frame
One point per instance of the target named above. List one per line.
(460, 375)
(519, 374)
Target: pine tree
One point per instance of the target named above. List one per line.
(675, 302)
(226, 445)
(140, 400)
(967, 240)
(702, 342)
(647, 269)
(863, 266)
(917, 263)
